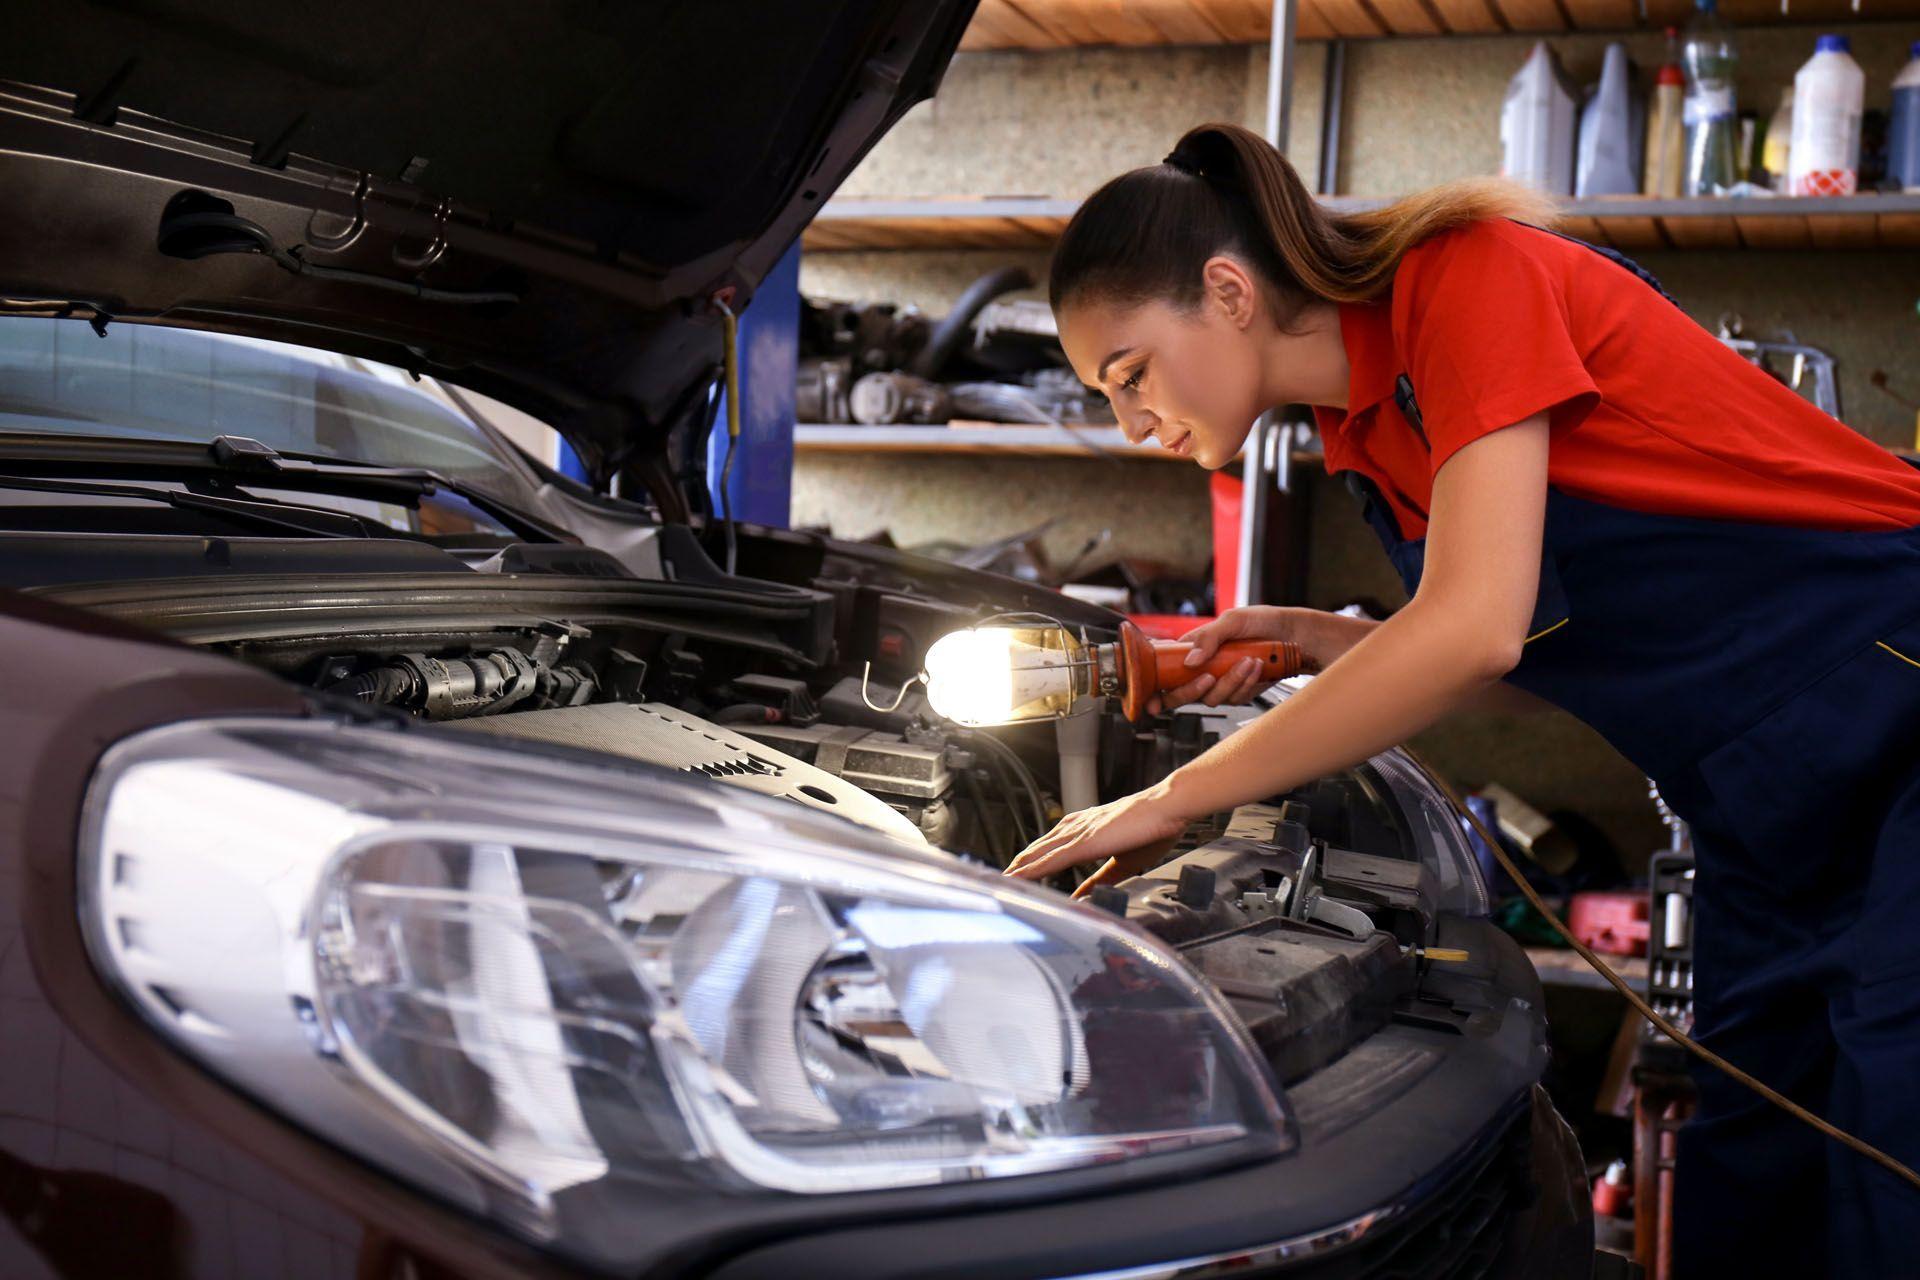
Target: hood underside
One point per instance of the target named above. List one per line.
(545, 195)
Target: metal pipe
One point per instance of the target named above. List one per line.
(1333, 105)
(1280, 53)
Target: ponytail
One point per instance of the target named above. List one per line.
(1146, 234)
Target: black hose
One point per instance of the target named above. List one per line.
(988, 831)
(381, 685)
(1024, 774)
(947, 334)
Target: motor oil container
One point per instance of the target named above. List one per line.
(1828, 95)
(1612, 131)
(1537, 125)
(1903, 129)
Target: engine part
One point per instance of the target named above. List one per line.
(880, 399)
(661, 735)
(821, 390)
(1268, 866)
(453, 688)
(913, 778)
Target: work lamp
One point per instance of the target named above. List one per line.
(1028, 667)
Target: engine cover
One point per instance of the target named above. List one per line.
(661, 735)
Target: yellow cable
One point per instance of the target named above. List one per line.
(1646, 1011)
(730, 333)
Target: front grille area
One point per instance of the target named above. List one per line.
(1454, 1233)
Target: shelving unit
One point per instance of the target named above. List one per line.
(1061, 24)
(1034, 440)
(1624, 222)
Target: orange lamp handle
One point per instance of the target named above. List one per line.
(1149, 666)
(1277, 660)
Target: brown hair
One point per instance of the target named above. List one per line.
(1146, 234)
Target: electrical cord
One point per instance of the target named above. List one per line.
(1667, 1028)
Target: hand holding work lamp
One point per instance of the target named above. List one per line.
(1025, 667)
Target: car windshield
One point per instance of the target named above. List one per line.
(152, 383)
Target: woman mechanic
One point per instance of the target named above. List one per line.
(1591, 498)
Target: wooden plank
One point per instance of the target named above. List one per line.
(1583, 228)
(1662, 14)
(1899, 230)
(1701, 231)
(827, 235)
(1043, 16)
(1350, 18)
(1468, 17)
(1406, 17)
(1531, 15)
(1630, 233)
(1841, 230)
(988, 30)
(1180, 22)
(1121, 22)
(1310, 23)
(1603, 15)
(1022, 31)
(1073, 20)
(1243, 21)
(1774, 231)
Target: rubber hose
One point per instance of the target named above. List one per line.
(381, 685)
(947, 334)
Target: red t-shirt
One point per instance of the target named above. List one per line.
(1496, 321)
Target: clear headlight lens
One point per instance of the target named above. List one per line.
(525, 983)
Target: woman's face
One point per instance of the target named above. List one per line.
(1194, 381)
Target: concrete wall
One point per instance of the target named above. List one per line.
(1417, 112)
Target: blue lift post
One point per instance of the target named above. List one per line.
(762, 483)
(761, 487)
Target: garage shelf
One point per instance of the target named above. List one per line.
(1560, 967)
(1065, 24)
(1030, 439)
(1627, 222)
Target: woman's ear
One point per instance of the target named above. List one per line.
(1229, 286)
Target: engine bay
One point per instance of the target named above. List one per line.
(1310, 912)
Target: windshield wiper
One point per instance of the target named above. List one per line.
(270, 513)
(234, 457)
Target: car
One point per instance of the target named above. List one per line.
(415, 862)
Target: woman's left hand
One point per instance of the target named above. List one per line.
(1132, 833)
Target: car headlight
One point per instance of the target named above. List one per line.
(524, 982)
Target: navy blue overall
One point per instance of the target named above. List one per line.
(1767, 678)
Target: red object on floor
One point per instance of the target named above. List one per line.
(1612, 1192)
(1224, 491)
(1613, 922)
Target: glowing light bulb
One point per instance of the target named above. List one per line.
(996, 675)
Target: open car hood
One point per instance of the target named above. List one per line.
(567, 184)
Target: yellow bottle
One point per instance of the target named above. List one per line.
(1666, 148)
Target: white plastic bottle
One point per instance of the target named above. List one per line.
(1829, 94)
(1537, 125)
(1613, 131)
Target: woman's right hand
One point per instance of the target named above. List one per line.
(1322, 637)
